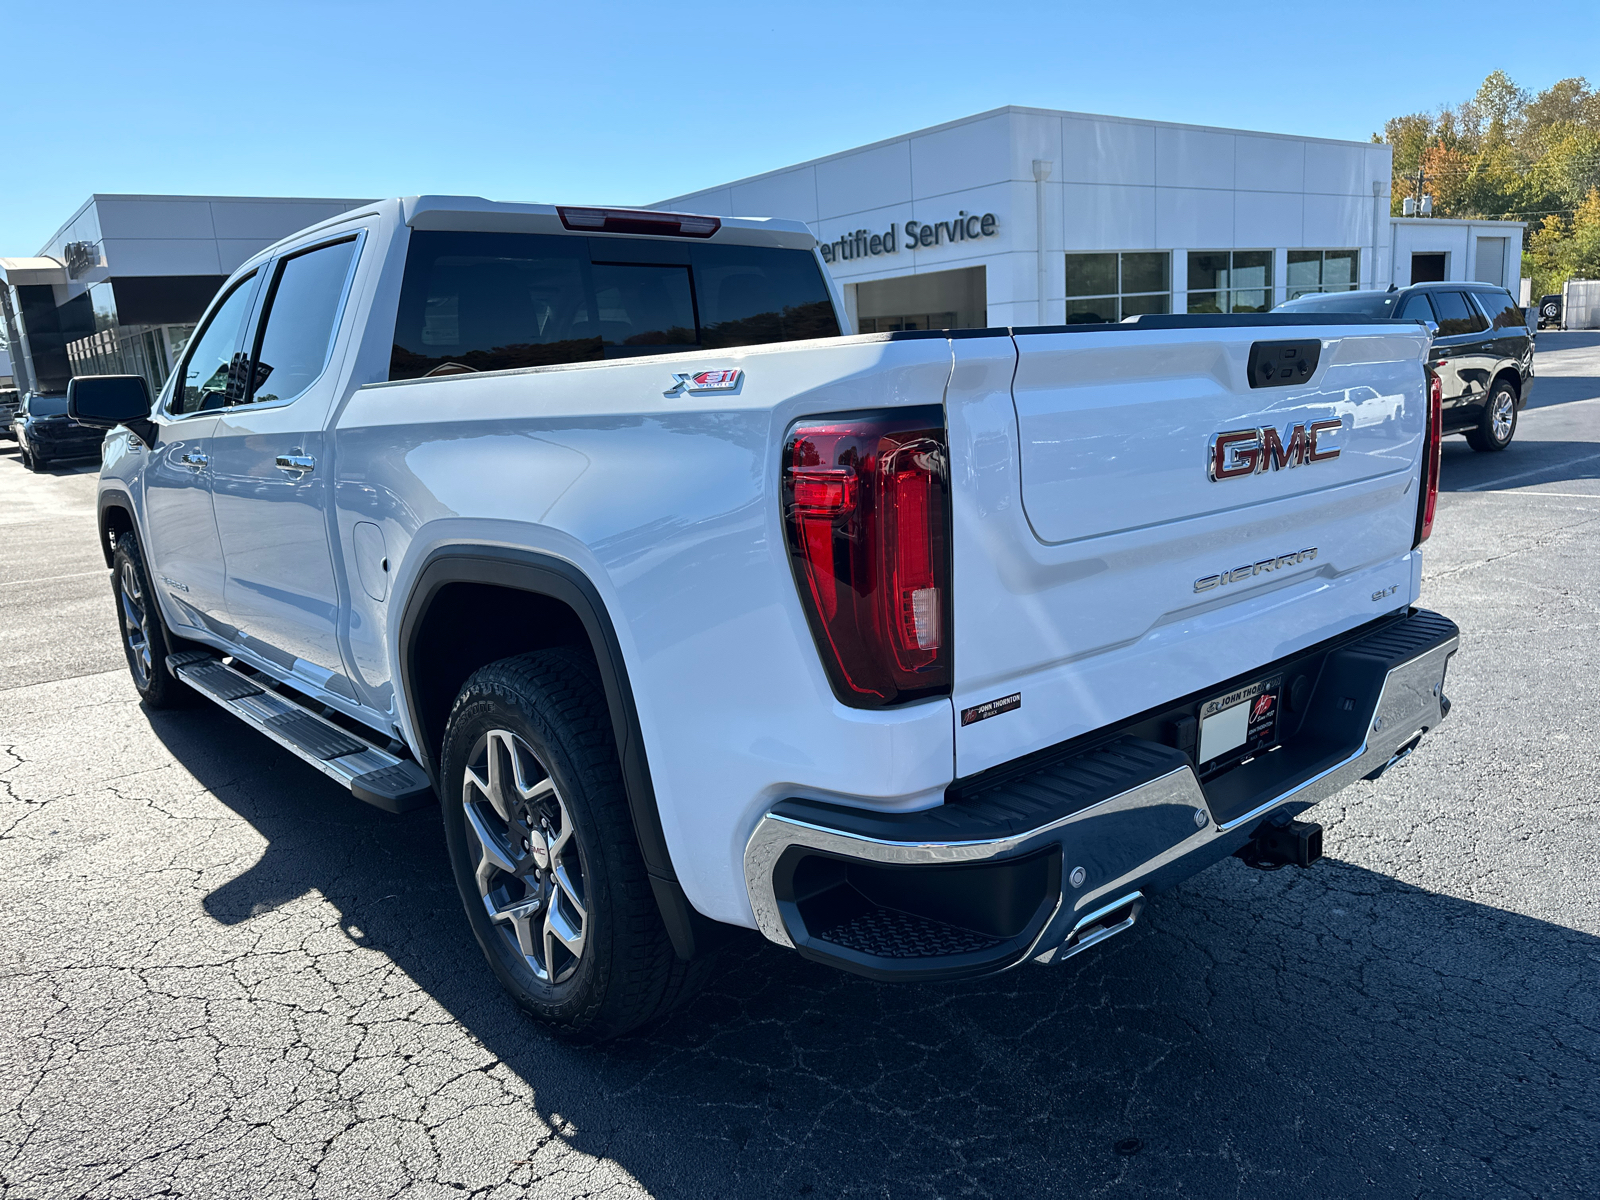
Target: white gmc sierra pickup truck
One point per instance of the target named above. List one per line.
(926, 654)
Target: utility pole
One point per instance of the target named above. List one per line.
(1418, 203)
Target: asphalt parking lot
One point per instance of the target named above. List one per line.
(221, 976)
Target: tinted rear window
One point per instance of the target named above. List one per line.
(1503, 312)
(496, 301)
(1346, 302)
(1456, 316)
(1417, 308)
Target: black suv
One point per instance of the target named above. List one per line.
(44, 432)
(1482, 353)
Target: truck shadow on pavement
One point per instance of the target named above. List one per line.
(1332, 1032)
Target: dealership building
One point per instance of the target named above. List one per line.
(119, 287)
(1027, 216)
(1020, 216)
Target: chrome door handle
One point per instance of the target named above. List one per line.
(297, 464)
(195, 462)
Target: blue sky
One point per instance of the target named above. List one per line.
(626, 103)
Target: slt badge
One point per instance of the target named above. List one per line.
(705, 381)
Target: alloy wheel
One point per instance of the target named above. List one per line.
(135, 622)
(1502, 415)
(530, 871)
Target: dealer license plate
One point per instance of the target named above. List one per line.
(1240, 723)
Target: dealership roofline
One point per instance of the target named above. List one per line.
(98, 196)
(1456, 221)
(1023, 109)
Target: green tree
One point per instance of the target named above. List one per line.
(1510, 155)
(1584, 256)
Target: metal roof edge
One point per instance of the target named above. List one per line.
(1025, 111)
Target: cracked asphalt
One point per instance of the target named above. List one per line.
(221, 976)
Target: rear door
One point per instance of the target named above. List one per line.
(270, 470)
(1116, 545)
(1508, 339)
(1465, 355)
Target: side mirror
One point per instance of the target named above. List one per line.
(106, 401)
(1433, 327)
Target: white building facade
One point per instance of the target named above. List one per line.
(1025, 216)
(1431, 249)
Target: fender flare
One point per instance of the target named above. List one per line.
(109, 499)
(547, 575)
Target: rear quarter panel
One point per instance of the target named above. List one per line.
(671, 509)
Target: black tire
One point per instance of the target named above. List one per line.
(32, 461)
(1498, 425)
(543, 718)
(146, 641)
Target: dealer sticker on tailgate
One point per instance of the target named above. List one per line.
(1240, 723)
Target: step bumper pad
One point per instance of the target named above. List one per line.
(1048, 861)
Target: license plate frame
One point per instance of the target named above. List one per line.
(1241, 723)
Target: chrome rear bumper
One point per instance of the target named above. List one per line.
(1129, 816)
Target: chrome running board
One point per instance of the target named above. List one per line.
(372, 774)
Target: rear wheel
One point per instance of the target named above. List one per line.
(1499, 422)
(542, 846)
(146, 641)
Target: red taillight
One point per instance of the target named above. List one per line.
(1430, 461)
(638, 220)
(866, 511)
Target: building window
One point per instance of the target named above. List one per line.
(148, 350)
(1323, 271)
(957, 299)
(1230, 281)
(944, 320)
(1109, 287)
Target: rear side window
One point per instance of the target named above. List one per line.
(1456, 316)
(497, 301)
(1416, 308)
(1503, 312)
(302, 316)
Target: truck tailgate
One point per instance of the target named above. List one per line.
(1100, 569)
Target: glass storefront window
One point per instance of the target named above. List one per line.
(1230, 281)
(1323, 271)
(148, 350)
(125, 349)
(1111, 287)
(944, 320)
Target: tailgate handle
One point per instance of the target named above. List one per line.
(1283, 364)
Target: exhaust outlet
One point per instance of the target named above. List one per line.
(1102, 923)
(1287, 843)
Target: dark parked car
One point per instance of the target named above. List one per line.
(45, 435)
(10, 401)
(1482, 353)
(1550, 311)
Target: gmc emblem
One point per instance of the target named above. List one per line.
(1242, 452)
